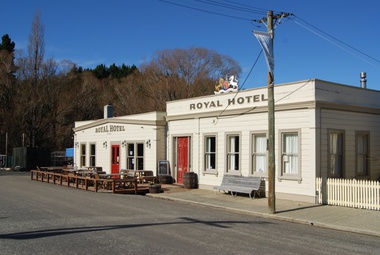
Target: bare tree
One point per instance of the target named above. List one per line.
(35, 87)
(129, 96)
(184, 73)
(36, 47)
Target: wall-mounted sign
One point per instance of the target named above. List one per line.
(251, 99)
(163, 167)
(110, 128)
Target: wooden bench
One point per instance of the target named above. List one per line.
(241, 184)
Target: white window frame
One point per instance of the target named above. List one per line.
(336, 157)
(259, 154)
(83, 154)
(92, 154)
(135, 157)
(210, 153)
(290, 155)
(233, 155)
(362, 153)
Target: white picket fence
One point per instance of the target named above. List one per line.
(350, 193)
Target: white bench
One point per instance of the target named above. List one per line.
(241, 184)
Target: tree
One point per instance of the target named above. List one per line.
(7, 87)
(7, 44)
(7, 71)
(101, 72)
(113, 71)
(36, 47)
(35, 78)
(183, 73)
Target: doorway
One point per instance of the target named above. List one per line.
(115, 166)
(182, 158)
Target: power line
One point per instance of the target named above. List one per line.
(234, 6)
(337, 40)
(201, 10)
(248, 6)
(250, 71)
(214, 3)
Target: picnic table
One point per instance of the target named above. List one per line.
(74, 170)
(84, 172)
(141, 175)
(54, 169)
(107, 176)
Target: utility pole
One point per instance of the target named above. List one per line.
(271, 118)
(271, 134)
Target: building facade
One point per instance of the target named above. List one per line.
(133, 142)
(322, 129)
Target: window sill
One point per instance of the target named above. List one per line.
(290, 178)
(210, 172)
(262, 175)
(362, 177)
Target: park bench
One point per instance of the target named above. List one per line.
(242, 184)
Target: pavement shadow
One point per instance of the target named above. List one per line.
(67, 231)
(299, 208)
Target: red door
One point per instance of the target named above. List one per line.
(182, 157)
(115, 168)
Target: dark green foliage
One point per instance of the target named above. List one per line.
(7, 44)
(113, 71)
(101, 72)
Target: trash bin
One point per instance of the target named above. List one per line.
(190, 180)
(165, 179)
(155, 188)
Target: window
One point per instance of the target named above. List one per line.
(259, 153)
(140, 156)
(362, 154)
(336, 154)
(83, 155)
(92, 155)
(290, 155)
(233, 153)
(135, 156)
(210, 154)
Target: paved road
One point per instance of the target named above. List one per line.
(41, 218)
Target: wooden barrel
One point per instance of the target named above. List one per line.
(189, 180)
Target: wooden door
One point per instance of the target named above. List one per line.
(115, 168)
(182, 157)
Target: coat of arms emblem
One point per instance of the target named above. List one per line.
(226, 85)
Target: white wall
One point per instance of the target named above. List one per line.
(138, 128)
(349, 123)
(244, 125)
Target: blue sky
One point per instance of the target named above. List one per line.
(92, 32)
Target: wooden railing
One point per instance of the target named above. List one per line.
(349, 193)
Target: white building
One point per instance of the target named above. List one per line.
(115, 143)
(322, 129)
